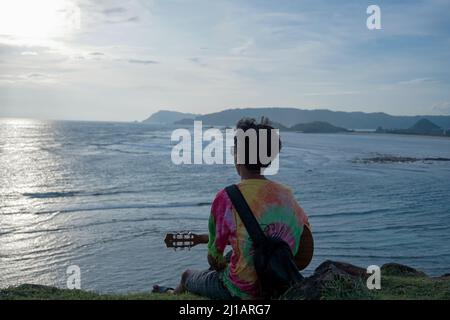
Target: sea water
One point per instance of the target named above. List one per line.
(102, 195)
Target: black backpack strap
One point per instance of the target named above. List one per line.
(246, 214)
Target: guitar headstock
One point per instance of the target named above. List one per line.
(181, 240)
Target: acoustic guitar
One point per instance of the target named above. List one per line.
(187, 240)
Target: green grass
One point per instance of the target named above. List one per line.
(421, 288)
(37, 292)
(393, 287)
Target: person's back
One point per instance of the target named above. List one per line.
(278, 214)
(256, 145)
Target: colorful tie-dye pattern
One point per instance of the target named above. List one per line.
(278, 214)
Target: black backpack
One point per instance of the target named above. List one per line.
(273, 258)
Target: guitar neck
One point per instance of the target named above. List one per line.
(203, 238)
(185, 239)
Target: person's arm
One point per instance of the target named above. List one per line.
(213, 262)
(215, 247)
(216, 264)
(306, 249)
(218, 233)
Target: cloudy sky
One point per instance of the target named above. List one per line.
(123, 60)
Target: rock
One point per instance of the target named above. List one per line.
(445, 276)
(311, 288)
(341, 267)
(397, 269)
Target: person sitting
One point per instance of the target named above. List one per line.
(276, 210)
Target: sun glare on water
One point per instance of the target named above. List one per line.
(38, 20)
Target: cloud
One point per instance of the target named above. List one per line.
(416, 81)
(331, 93)
(139, 61)
(132, 19)
(29, 53)
(242, 48)
(124, 20)
(34, 77)
(198, 61)
(15, 49)
(442, 107)
(114, 10)
(96, 12)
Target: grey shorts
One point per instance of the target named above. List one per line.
(208, 283)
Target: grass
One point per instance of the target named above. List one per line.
(38, 292)
(393, 287)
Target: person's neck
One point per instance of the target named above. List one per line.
(252, 175)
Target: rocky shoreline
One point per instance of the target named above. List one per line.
(330, 274)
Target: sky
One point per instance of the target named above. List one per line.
(123, 60)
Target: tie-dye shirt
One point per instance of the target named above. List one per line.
(277, 212)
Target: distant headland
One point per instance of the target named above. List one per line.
(421, 127)
(315, 121)
(169, 117)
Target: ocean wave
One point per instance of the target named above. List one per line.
(99, 223)
(68, 194)
(426, 226)
(352, 213)
(128, 206)
(45, 195)
(4, 233)
(387, 256)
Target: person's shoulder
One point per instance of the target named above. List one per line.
(285, 192)
(281, 187)
(221, 194)
(221, 200)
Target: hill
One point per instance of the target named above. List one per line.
(168, 117)
(317, 127)
(421, 127)
(425, 126)
(292, 116)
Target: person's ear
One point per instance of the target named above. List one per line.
(238, 168)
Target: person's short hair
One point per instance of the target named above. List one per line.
(246, 124)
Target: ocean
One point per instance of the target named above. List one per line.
(102, 195)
